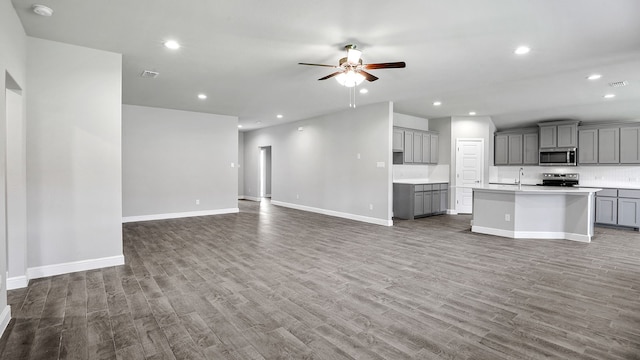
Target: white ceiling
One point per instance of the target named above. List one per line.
(244, 55)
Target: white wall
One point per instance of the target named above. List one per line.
(478, 127)
(594, 176)
(411, 122)
(74, 182)
(318, 168)
(173, 158)
(12, 61)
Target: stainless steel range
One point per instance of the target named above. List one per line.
(550, 179)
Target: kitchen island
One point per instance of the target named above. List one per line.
(534, 212)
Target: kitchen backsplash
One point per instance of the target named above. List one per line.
(597, 176)
(438, 172)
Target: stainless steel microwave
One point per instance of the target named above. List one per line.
(558, 157)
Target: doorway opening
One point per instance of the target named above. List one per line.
(14, 184)
(265, 173)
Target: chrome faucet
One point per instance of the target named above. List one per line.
(520, 175)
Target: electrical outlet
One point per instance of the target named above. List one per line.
(380, 164)
(233, 165)
(297, 196)
(198, 202)
(507, 217)
(358, 156)
(370, 206)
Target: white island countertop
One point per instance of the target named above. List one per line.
(535, 189)
(419, 181)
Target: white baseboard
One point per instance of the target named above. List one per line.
(452, 212)
(240, 197)
(65, 268)
(17, 282)
(531, 234)
(335, 213)
(128, 219)
(5, 317)
(252, 198)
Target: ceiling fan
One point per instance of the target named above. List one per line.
(351, 69)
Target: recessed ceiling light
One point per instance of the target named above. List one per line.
(472, 113)
(437, 103)
(609, 96)
(239, 126)
(172, 44)
(258, 122)
(363, 91)
(521, 50)
(202, 96)
(594, 77)
(42, 10)
(279, 116)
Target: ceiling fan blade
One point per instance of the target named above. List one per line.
(331, 75)
(390, 65)
(332, 66)
(368, 76)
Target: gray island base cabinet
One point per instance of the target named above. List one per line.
(412, 201)
(534, 212)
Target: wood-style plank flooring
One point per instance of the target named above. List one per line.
(277, 283)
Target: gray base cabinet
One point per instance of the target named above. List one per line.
(411, 201)
(618, 207)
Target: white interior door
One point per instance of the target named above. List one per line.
(469, 172)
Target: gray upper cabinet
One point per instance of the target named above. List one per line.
(398, 140)
(630, 145)
(568, 135)
(426, 147)
(548, 136)
(609, 146)
(530, 148)
(434, 152)
(417, 147)
(559, 134)
(516, 147)
(413, 146)
(588, 149)
(408, 146)
(501, 150)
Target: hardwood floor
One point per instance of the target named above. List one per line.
(277, 283)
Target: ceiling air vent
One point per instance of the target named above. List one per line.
(619, 83)
(149, 74)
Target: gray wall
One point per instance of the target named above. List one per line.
(74, 165)
(13, 61)
(172, 158)
(319, 166)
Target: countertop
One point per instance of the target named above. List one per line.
(534, 189)
(418, 181)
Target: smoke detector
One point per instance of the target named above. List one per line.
(619, 83)
(42, 10)
(149, 74)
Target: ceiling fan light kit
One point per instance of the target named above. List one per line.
(351, 71)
